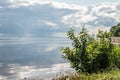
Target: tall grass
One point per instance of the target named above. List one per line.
(111, 75)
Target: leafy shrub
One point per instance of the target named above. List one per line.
(115, 56)
(89, 54)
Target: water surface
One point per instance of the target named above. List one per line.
(31, 57)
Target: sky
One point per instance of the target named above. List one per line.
(36, 18)
(86, 2)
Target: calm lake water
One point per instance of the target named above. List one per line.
(29, 57)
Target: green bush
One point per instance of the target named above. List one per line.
(89, 54)
(115, 56)
(115, 30)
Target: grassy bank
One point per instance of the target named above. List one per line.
(111, 75)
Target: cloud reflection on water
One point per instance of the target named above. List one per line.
(14, 71)
(30, 57)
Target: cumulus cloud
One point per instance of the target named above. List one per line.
(106, 15)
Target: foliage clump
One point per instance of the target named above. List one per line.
(115, 30)
(91, 54)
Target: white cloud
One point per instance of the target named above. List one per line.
(106, 15)
(18, 3)
(50, 48)
(49, 23)
(60, 5)
(77, 18)
(106, 10)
